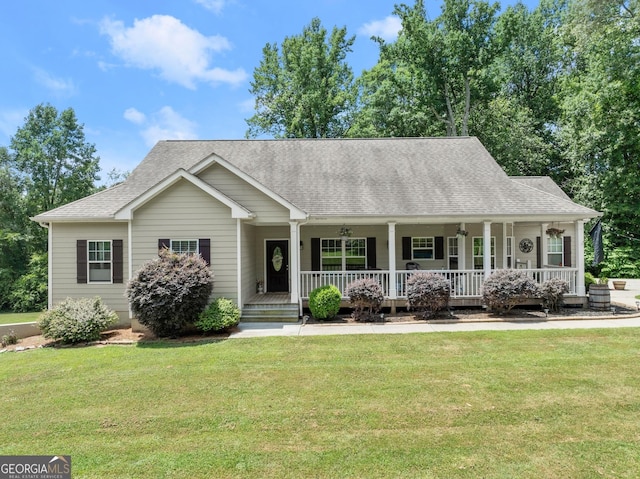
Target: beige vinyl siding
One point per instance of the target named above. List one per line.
(63, 260)
(184, 211)
(265, 209)
(532, 231)
(379, 232)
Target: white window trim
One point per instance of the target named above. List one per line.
(493, 251)
(561, 252)
(510, 242)
(90, 262)
(433, 248)
(343, 252)
(171, 241)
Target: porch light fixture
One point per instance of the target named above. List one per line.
(638, 305)
(461, 232)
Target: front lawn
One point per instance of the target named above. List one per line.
(8, 318)
(526, 404)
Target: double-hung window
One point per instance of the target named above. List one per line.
(478, 252)
(99, 261)
(422, 248)
(335, 258)
(555, 251)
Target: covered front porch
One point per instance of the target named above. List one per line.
(465, 253)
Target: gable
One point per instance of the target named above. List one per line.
(265, 208)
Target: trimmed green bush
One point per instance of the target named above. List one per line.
(220, 315)
(428, 293)
(552, 293)
(366, 298)
(506, 288)
(169, 292)
(77, 320)
(324, 302)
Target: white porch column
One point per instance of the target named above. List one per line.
(544, 247)
(391, 235)
(504, 245)
(580, 288)
(462, 248)
(239, 262)
(486, 247)
(294, 261)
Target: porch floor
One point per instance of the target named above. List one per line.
(270, 298)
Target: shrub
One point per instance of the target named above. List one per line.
(77, 320)
(552, 293)
(366, 298)
(506, 288)
(170, 291)
(324, 302)
(428, 293)
(220, 315)
(8, 339)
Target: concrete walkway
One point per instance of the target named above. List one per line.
(624, 298)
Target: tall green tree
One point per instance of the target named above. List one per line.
(304, 88)
(434, 74)
(49, 164)
(600, 117)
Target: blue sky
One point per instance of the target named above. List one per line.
(136, 72)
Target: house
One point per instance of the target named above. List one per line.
(300, 213)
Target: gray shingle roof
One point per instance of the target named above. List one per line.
(352, 177)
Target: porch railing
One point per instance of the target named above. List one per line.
(464, 283)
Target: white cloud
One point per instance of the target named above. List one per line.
(386, 29)
(57, 85)
(134, 116)
(215, 6)
(10, 121)
(166, 124)
(181, 55)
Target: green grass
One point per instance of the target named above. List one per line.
(526, 404)
(8, 318)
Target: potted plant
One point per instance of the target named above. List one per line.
(260, 286)
(619, 284)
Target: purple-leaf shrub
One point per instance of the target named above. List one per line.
(169, 292)
(552, 293)
(506, 288)
(366, 298)
(428, 293)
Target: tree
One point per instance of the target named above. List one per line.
(304, 89)
(600, 106)
(49, 164)
(53, 159)
(429, 80)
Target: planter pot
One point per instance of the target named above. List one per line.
(619, 284)
(599, 297)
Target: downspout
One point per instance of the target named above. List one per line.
(49, 228)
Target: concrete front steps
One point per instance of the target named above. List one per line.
(269, 313)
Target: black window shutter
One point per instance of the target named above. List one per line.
(439, 247)
(164, 243)
(117, 272)
(371, 252)
(81, 261)
(204, 246)
(567, 251)
(315, 254)
(406, 247)
(538, 252)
